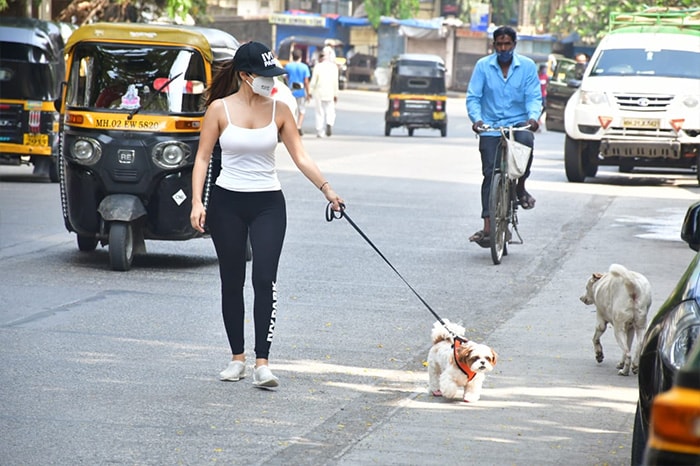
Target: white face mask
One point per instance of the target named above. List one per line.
(262, 85)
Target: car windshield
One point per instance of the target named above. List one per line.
(123, 78)
(565, 71)
(663, 63)
(27, 73)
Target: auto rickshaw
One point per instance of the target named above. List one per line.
(31, 72)
(131, 114)
(417, 96)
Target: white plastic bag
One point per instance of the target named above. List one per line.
(517, 158)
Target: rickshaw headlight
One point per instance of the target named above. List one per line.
(86, 151)
(170, 155)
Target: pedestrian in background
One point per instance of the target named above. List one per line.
(298, 74)
(247, 200)
(324, 89)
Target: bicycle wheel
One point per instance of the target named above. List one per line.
(498, 213)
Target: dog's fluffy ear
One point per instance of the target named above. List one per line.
(494, 357)
(597, 276)
(463, 353)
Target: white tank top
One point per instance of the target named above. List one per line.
(248, 157)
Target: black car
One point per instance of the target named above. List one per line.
(668, 342)
(674, 429)
(563, 83)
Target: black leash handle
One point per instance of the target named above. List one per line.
(338, 214)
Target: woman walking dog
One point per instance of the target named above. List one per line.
(247, 199)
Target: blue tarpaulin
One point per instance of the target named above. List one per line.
(350, 21)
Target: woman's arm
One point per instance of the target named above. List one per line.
(207, 139)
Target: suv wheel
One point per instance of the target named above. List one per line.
(575, 160)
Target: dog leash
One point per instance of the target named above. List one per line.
(338, 214)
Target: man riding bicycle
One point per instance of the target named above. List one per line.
(504, 90)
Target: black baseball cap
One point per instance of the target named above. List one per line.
(256, 58)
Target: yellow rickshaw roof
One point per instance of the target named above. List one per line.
(137, 33)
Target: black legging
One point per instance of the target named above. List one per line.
(232, 217)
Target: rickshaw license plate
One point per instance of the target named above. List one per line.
(438, 115)
(36, 139)
(652, 123)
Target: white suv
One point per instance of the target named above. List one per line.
(639, 100)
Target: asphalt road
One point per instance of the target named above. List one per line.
(101, 367)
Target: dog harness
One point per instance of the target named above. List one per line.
(463, 367)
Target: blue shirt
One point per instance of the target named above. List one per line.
(499, 101)
(297, 72)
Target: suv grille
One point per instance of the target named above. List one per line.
(642, 103)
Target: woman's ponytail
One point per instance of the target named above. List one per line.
(225, 82)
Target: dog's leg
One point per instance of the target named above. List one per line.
(626, 362)
(472, 392)
(434, 379)
(597, 347)
(623, 334)
(448, 387)
(639, 336)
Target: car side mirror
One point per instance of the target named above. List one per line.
(574, 83)
(690, 231)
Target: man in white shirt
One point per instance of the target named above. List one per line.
(324, 89)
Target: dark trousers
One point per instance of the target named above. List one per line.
(488, 145)
(232, 217)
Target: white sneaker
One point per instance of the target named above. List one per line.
(262, 377)
(234, 372)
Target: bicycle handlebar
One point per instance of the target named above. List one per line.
(502, 129)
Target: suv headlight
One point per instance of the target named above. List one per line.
(171, 154)
(592, 98)
(86, 151)
(681, 331)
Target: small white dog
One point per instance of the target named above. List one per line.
(622, 298)
(446, 378)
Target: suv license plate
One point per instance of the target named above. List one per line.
(36, 139)
(640, 123)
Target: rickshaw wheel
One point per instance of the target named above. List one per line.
(410, 131)
(53, 172)
(121, 246)
(87, 243)
(45, 166)
(443, 131)
(387, 129)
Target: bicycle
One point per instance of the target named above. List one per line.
(503, 198)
